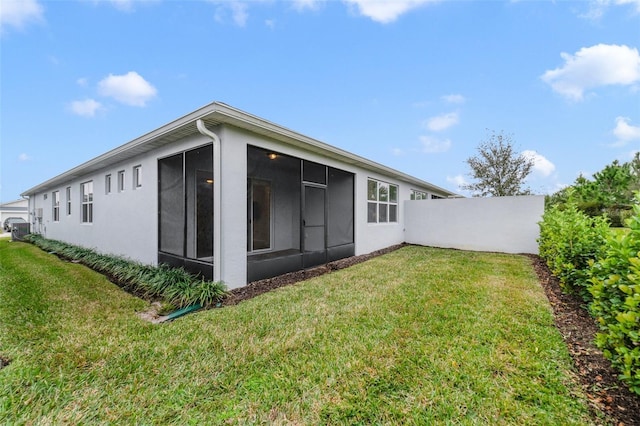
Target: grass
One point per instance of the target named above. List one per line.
(418, 336)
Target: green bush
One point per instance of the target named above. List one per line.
(569, 241)
(615, 287)
(174, 285)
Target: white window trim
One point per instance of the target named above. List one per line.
(68, 191)
(88, 203)
(55, 201)
(108, 184)
(137, 176)
(424, 195)
(388, 203)
(122, 181)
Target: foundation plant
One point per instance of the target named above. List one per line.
(174, 286)
(603, 266)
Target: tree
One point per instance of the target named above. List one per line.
(611, 191)
(499, 170)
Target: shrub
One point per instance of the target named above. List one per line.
(615, 287)
(569, 240)
(174, 285)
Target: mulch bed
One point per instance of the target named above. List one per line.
(599, 380)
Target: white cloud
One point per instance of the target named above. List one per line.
(595, 66)
(431, 145)
(541, 165)
(83, 82)
(85, 108)
(597, 8)
(397, 152)
(239, 11)
(270, 23)
(386, 11)
(301, 5)
(454, 99)
(24, 157)
(636, 3)
(129, 89)
(17, 13)
(459, 181)
(625, 132)
(124, 5)
(442, 122)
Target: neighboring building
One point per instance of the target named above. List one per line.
(18, 208)
(230, 195)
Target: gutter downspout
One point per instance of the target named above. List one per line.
(217, 200)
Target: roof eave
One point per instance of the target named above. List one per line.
(219, 113)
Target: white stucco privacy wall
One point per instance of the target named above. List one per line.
(496, 224)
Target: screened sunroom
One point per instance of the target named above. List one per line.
(185, 210)
(299, 214)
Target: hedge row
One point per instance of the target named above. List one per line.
(174, 285)
(604, 268)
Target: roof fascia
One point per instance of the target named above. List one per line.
(220, 113)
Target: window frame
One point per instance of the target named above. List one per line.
(382, 201)
(121, 181)
(86, 202)
(416, 194)
(137, 176)
(68, 200)
(55, 202)
(107, 184)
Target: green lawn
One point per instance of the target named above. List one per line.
(417, 336)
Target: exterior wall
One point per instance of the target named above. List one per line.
(124, 223)
(368, 237)
(375, 236)
(497, 224)
(233, 211)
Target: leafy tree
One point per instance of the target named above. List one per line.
(498, 169)
(611, 191)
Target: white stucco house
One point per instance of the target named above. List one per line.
(229, 195)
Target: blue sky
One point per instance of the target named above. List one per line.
(412, 84)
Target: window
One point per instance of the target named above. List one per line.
(419, 195)
(137, 177)
(121, 181)
(86, 191)
(259, 214)
(107, 184)
(382, 206)
(68, 200)
(436, 197)
(56, 205)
